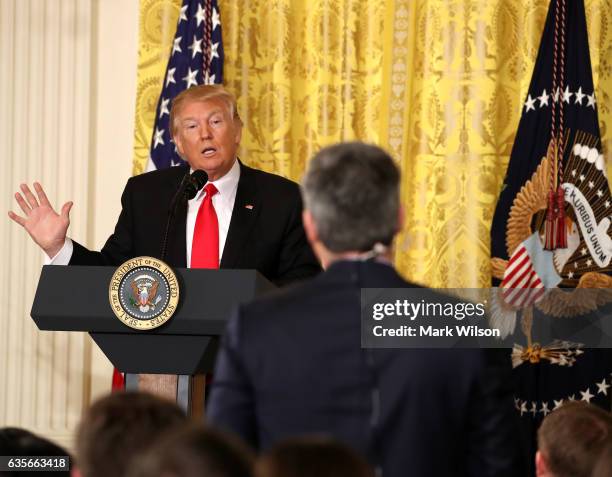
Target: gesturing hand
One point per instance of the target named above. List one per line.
(46, 227)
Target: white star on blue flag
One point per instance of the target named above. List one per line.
(194, 59)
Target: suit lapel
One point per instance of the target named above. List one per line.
(176, 255)
(244, 215)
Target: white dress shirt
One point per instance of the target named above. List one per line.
(223, 202)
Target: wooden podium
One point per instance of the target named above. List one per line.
(170, 360)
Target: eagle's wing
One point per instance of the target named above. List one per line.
(135, 291)
(153, 292)
(531, 199)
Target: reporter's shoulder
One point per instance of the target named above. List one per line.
(282, 301)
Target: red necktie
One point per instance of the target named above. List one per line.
(205, 244)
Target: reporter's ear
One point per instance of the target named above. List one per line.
(310, 228)
(541, 465)
(75, 471)
(400, 218)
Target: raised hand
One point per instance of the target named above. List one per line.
(46, 227)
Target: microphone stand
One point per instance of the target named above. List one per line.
(171, 213)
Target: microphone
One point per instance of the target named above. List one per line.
(195, 183)
(187, 190)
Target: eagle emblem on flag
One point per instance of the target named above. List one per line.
(531, 269)
(551, 229)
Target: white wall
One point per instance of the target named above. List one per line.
(67, 95)
(114, 83)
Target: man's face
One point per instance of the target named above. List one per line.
(208, 137)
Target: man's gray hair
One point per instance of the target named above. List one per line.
(352, 192)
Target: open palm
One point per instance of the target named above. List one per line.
(46, 227)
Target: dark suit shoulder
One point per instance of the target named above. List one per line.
(285, 298)
(159, 177)
(337, 284)
(272, 183)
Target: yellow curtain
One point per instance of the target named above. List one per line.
(438, 83)
(156, 30)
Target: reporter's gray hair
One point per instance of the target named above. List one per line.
(352, 191)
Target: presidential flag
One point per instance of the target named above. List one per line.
(551, 225)
(196, 58)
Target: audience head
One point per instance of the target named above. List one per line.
(19, 442)
(119, 427)
(351, 199)
(195, 451)
(571, 439)
(311, 457)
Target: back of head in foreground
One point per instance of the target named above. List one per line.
(571, 439)
(195, 451)
(20, 442)
(120, 426)
(312, 457)
(351, 200)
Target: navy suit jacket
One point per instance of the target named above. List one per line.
(267, 237)
(292, 364)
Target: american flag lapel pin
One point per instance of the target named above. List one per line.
(249, 206)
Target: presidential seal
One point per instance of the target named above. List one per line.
(143, 293)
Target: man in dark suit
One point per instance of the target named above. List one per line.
(293, 363)
(242, 218)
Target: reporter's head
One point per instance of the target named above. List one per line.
(351, 199)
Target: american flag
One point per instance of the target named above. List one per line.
(196, 58)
